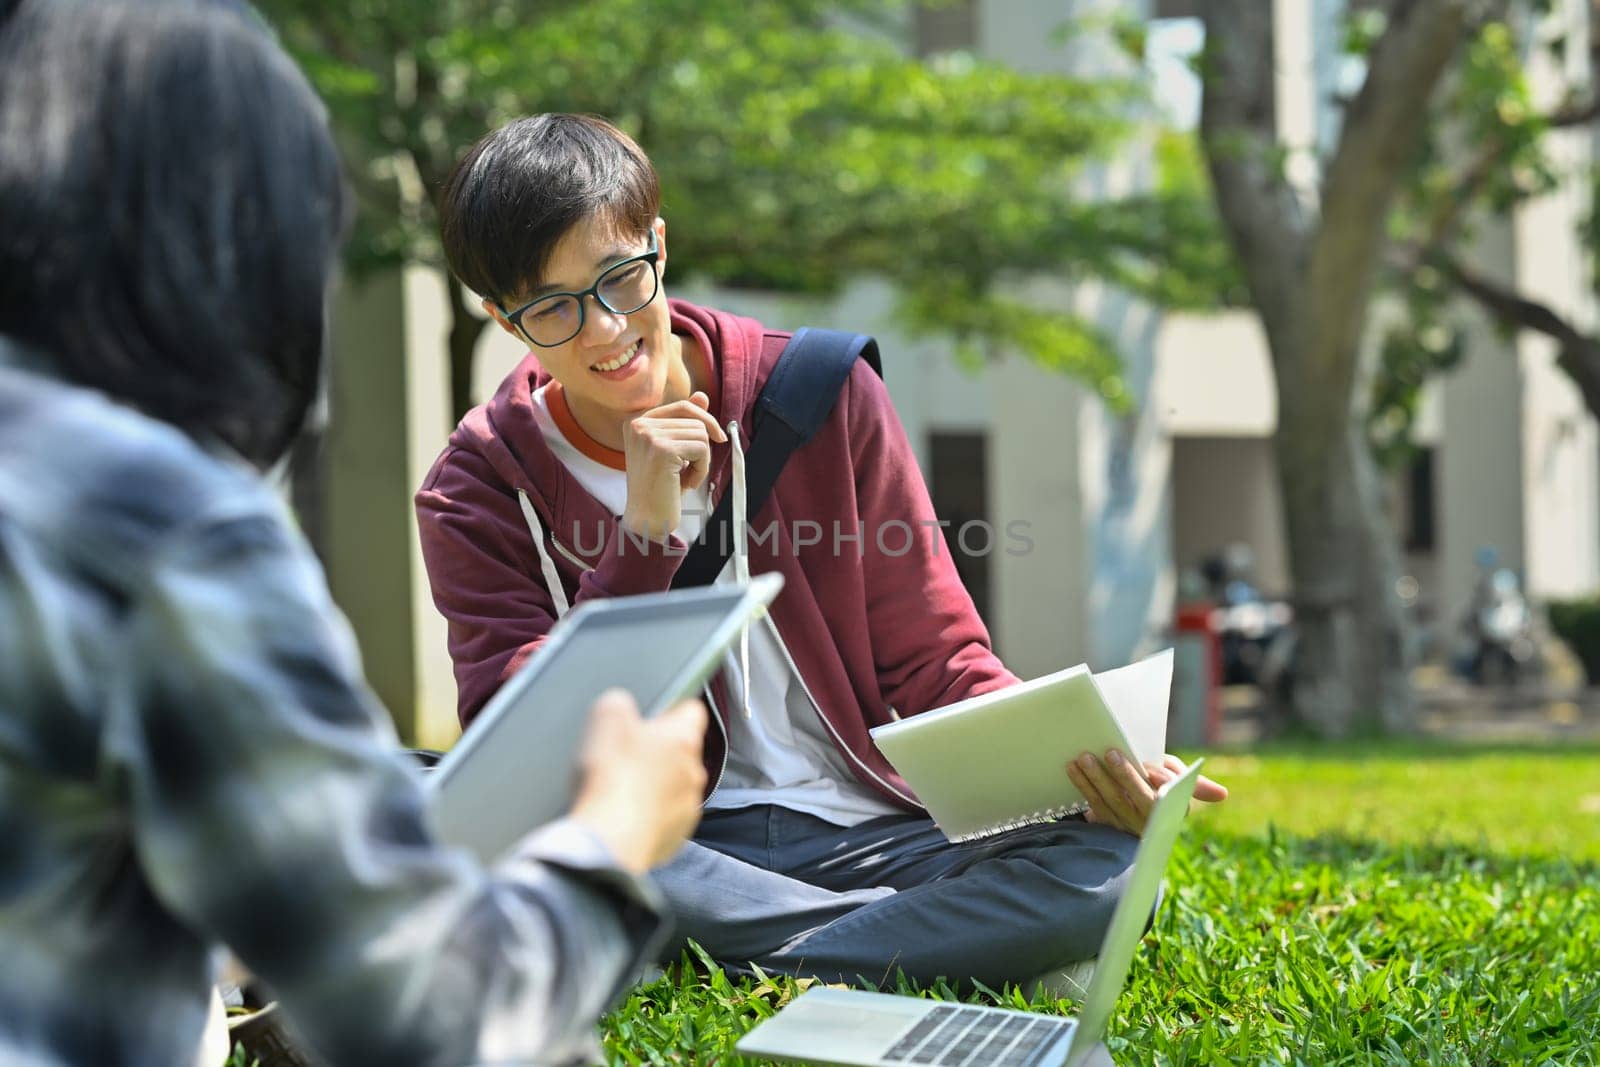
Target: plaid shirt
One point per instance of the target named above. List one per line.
(189, 758)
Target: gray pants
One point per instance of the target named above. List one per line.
(797, 895)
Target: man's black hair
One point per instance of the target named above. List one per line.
(170, 208)
(518, 191)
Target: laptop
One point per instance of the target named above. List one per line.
(855, 1028)
(516, 768)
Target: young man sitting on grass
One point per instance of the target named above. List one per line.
(589, 473)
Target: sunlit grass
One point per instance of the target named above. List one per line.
(1521, 801)
(1349, 905)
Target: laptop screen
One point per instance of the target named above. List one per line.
(1133, 912)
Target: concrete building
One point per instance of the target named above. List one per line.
(1107, 508)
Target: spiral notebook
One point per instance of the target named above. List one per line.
(998, 761)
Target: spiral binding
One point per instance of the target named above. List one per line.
(1060, 811)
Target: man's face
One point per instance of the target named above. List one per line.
(636, 350)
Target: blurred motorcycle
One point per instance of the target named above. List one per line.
(1499, 642)
(1256, 633)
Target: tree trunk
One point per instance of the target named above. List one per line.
(465, 329)
(1352, 669)
(1310, 271)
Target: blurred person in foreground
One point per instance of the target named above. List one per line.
(189, 758)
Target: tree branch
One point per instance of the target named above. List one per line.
(1379, 135)
(1578, 354)
(1574, 114)
(1568, 114)
(1453, 207)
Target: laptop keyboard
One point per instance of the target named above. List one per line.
(954, 1036)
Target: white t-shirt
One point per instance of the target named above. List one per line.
(781, 751)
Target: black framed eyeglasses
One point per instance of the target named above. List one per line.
(623, 288)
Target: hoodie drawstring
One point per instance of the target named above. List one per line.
(547, 566)
(741, 552)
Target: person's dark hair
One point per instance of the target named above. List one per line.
(171, 207)
(517, 192)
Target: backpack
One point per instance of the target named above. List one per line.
(796, 400)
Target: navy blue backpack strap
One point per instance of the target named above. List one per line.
(796, 400)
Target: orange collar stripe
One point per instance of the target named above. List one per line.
(576, 435)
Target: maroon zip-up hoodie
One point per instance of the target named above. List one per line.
(872, 613)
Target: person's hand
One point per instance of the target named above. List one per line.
(667, 450)
(1169, 768)
(1122, 793)
(641, 782)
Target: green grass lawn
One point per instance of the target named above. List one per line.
(1348, 905)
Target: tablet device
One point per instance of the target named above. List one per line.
(516, 767)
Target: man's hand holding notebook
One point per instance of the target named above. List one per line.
(1016, 756)
(1122, 794)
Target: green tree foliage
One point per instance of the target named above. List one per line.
(1489, 150)
(799, 146)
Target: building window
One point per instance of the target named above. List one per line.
(1421, 515)
(946, 27)
(959, 484)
